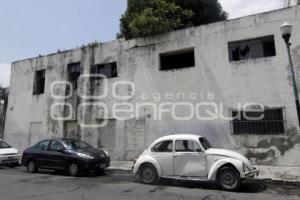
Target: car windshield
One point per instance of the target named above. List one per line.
(206, 145)
(77, 144)
(4, 145)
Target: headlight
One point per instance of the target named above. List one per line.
(106, 152)
(82, 155)
(102, 155)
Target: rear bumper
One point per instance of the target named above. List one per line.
(250, 174)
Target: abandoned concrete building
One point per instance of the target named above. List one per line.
(227, 63)
(291, 2)
(1, 118)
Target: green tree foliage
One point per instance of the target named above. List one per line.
(150, 17)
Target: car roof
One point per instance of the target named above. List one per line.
(179, 136)
(59, 139)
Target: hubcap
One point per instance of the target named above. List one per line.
(73, 169)
(228, 178)
(148, 174)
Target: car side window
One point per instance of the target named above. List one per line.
(197, 147)
(164, 147)
(187, 146)
(44, 145)
(56, 146)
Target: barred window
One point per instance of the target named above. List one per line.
(267, 122)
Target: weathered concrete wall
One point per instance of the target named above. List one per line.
(265, 81)
(291, 2)
(1, 119)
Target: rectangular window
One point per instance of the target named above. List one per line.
(39, 82)
(73, 74)
(267, 122)
(177, 60)
(109, 70)
(251, 49)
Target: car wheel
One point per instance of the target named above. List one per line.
(148, 174)
(32, 167)
(13, 165)
(229, 178)
(73, 169)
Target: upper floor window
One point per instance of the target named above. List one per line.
(177, 60)
(109, 70)
(73, 74)
(251, 49)
(268, 122)
(39, 82)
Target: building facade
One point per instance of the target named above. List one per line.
(195, 80)
(288, 3)
(1, 119)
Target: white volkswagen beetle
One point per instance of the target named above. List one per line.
(191, 157)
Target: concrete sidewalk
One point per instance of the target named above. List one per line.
(289, 174)
(121, 165)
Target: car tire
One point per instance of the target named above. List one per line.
(13, 165)
(73, 169)
(148, 174)
(229, 178)
(32, 166)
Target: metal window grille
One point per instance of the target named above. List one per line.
(271, 122)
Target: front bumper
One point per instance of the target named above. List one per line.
(95, 164)
(10, 159)
(250, 174)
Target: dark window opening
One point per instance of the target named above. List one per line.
(74, 74)
(177, 60)
(267, 122)
(251, 49)
(109, 70)
(39, 82)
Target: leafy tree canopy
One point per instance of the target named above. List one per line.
(150, 17)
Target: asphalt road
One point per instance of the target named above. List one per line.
(16, 184)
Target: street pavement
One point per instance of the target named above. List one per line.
(16, 184)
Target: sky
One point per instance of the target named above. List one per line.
(32, 27)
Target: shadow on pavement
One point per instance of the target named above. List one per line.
(251, 186)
